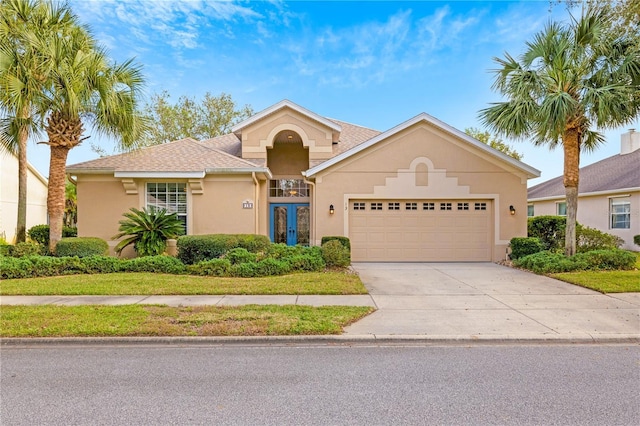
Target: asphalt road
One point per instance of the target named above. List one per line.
(327, 385)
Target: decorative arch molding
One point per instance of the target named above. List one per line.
(438, 184)
(268, 142)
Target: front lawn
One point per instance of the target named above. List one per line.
(143, 283)
(151, 320)
(605, 281)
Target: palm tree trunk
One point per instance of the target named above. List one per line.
(571, 144)
(21, 225)
(56, 195)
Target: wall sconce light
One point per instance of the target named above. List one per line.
(331, 209)
(512, 210)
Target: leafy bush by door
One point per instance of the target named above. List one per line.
(148, 230)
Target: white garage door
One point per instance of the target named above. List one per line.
(420, 230)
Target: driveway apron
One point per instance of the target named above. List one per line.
(489, 301)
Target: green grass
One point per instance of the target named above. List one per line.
(605, 281)
(151, 320)
(143, 283)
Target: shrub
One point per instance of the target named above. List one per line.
(159, 264)
(11, 267)
(26, 249)
(549, 263)
(614, 259)
(81, 247)
(148, 230)
(282, 251)
(6, 249)
(269, 267)
(335, 254)
(214, 267)
(525, 246)
(589, 239)
(546, 262)
(343, 240)
(40, 234)
(636, 240)
(549, 229)
(306, 262)
(39, 266)
(196, 248)
(101, 264)
(240, 255)
(245, 270)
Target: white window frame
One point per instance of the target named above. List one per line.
(530, 210)
(177, 206)
(614, 216)
(561, 203)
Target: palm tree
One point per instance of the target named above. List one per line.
(571, 80)
(85, 87)
(23, 72)
(148, 230)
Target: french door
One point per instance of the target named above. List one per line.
(289, 224)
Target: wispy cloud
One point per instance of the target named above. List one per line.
(370, 52)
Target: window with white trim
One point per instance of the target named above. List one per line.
(530, 211)
(170, 196)
(561, 209)
(620, 209)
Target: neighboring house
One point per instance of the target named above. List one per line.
(421, 191)
(36, 196)
(609, 193)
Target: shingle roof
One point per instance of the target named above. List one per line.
(184, 155)
(613, 173)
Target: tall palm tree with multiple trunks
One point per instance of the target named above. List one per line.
(571, 82)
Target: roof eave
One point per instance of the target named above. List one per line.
(286, 103)
(528, 170)
(588, 194)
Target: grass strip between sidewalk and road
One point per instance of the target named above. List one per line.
(160, 320)
(142, 283)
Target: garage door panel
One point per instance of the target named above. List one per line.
(422, 234)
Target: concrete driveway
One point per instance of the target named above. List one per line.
(489, 301)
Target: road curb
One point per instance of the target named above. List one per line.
(320, 340)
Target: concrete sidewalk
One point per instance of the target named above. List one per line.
(440, 302)
(311, 300)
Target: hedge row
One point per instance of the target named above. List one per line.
(546, 262)
(45, 266)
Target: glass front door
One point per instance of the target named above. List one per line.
(290, 224)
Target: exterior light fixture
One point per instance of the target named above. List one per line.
(331, 209)
(512, 210)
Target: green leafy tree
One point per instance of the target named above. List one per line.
(572, 80)
(213, 116)
(23, 72)
(148, 230)
(70, 205)
(493, 141)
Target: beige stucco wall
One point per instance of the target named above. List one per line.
(214, 205)
(258, 137)
(36, 197)
(456, 171)
(287, 159)
(593, 211)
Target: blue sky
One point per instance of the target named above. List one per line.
(376, 64)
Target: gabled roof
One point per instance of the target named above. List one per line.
(424, 117)
(620, 172)
(285, 104)
(182, 158)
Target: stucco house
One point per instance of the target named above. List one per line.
(421, 191)
(36, 196)
(608, 197)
